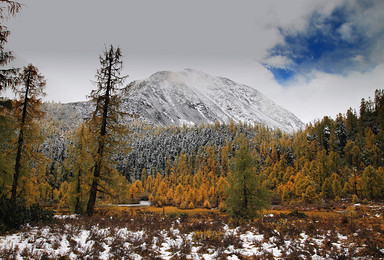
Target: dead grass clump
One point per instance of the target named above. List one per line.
(310, 247)
(310, 228)
(208, 238)
(294, 252)
(116, 247)
(286, 229)
(173, 215)
(268, 229)
(39, 244)
(151, 222)
(83, 253)
(232, 238)
(264, 255)
(25, 253)
(56, 244)
(294, 214)
(200, 223)
(135, 240)
(220, 254)
(369, 243)
(181, 249)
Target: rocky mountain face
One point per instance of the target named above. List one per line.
(191, 97)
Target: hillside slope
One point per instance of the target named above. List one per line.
(191, 97)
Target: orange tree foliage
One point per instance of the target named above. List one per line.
(329, 159)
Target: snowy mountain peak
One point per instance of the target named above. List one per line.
(188, 77)
(194, 97)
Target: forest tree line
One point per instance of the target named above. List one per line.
(329, 160)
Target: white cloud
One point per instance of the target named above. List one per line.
(328, 95)
(293, 15)
(279, 61)
(358, 58)
(346, 32)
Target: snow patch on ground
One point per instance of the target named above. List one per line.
(46, 241)
(70, 238)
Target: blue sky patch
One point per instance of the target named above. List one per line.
(337, 44)
(282, 75)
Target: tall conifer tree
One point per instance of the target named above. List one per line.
(79, 163)
(106, 114)
(26, 111)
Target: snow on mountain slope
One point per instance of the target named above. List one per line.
(193, 97)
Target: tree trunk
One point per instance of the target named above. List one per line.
(20, 141)
(100, 150)
(245, 199)
(78, 192)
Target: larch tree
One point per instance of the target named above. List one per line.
(105, 117)
(246, 196)
(27, 110)
(7, 74)
(178, 198)
(372, 183)
(161, 194)
(79, 162)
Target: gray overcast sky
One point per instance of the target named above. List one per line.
(246, 41)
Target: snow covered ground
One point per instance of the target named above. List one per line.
(81, 242)
(168, 237)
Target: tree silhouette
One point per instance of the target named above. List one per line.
(106, 114)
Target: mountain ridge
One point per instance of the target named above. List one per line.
(191, 97)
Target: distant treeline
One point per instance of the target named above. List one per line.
(189, 166)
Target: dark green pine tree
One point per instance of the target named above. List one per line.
(105, 117)
(366, 118)
(351, 124)
(341, 133)
(379, 107)
(246, 196)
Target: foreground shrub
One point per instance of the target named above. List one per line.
(14, 213)
(247, 197)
